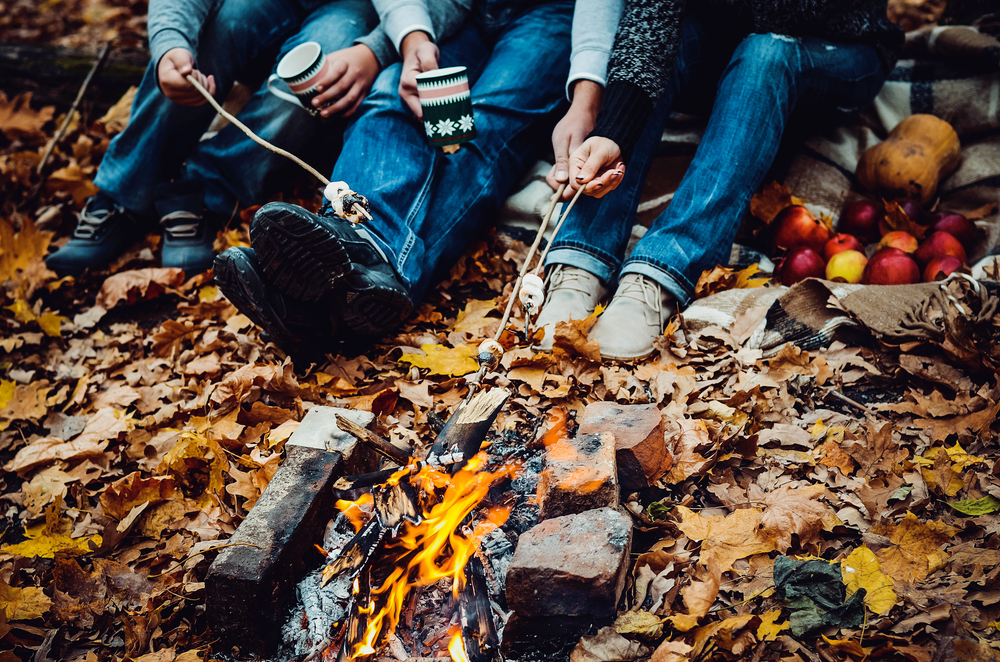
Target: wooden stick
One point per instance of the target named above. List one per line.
(253, 136)
(382, 446)
(101, 59)
(555, 232)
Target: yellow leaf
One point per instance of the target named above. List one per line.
(768, 630)
(45, 540)
(23, 604)
(18, 250)
(818, 429)
(208, 293)
(6, 392)
(639, 623)
(745, 278)
(441, 360)
(22, 311)
(50, 323)
(915, 551)
(117, 117)
(726, 538)
(193, 451)
(862, 569)
(474, 317)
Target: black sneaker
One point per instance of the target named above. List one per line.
(312, 257)
(104, 231)
(188, 232)
(290, 324)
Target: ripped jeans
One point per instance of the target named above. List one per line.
(754, 87)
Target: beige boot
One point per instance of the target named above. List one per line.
(570, 294)
(635, 317)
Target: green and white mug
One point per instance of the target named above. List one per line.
(447, 106)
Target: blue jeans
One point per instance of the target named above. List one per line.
(754, 86)
(161, 142)
(427, 205)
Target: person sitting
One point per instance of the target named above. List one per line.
(757, 69)
(160, 169)
(427, 205)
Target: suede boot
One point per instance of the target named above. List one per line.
(635, 317)
(570, 294)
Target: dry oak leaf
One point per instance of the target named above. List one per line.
(121, 496)
(18, 119)
(474, 316)
(769, 629)
(132, 286)
(861, 569)
(719, 634)
(52, 537)
(23, 604)
(571, 338)
(772, 198)
(877, 451)
(728, 538)
(671, 651)
(684, 449)
(193, 451)
(22, 402)
(915, 549)
(975, 423)
(49, 449)
(440, 360)
(239, 385)
(699, 596)
(795, 510)
(167, 341)
(106, 424)
(607, 646)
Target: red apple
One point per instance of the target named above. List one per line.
(891, 266)
(795, 226)
(957, 226)
(861, 218)
(941, 267)
(801, 263)
(904, 241)
(839, 243)
(846, 267)
(939, 243)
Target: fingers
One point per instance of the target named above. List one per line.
(427, 56)
(350, 99)
(333, 85)
(408, 92)
(606, 182)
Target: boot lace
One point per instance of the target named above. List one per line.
(91, 220)
(645, 292)
(181, 225)
(574, 280)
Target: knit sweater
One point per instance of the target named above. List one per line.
(649, 33)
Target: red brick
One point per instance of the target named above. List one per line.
(639, 445)
(579, 475)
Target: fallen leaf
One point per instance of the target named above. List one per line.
(770, 201)
(473, 317)
(915, 549)
(45, 540)
(976, 507)
(728, 538)
(671, 651)
(191, 451)
(19, 120)
(607, 646)
(23, 604)
(441, 360)
(20, 249)
(699, 596)
(795, 510)
(117, 117)
(571, 338)
(639, 623)
(974, 651)
(121, 496)
(50, 449)
(768, 630)
(897, 219)
(132, 286)
(861, 569)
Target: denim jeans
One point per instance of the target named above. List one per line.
(161, 142)
(427, 205)
(754, 86)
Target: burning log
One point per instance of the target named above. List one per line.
(382, 446)
(478, 629)
(467, 428)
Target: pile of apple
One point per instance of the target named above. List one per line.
(813, 250)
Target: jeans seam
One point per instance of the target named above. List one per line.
(675, 275)
(609, 261)
(411, 236)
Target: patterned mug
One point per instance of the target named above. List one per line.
(447, 105)
(301, 70)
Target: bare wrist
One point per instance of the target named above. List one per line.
(588, 95)
(412, 40)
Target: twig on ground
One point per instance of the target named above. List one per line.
(101, 59)
(382, 446)
(867, 410)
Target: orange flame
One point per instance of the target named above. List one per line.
(358, 512)
(434, 549)
(457, 648)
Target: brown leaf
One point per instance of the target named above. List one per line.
(795, 510)
(915, 549)
(607, 646)
(22, 604)
(570, 338)
(770, 201)
(699, 596)
(897, 219)
(19, 120)
(671, 651)
(725, 539)
(685, 450)
(49, 449)
(20, 249)
(121, 496)
(117, 117)
(132, 286)
(877, 451)
(975, 651)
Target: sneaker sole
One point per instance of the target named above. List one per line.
(375, 310)
(302, 259)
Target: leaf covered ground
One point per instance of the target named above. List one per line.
(141, 416)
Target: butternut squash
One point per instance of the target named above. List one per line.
(920, 152)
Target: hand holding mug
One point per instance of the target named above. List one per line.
(596, 166)
(346, 80)
(420, 54)
(172, 72)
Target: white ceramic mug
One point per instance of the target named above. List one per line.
(300, 70)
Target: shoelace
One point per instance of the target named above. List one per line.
(568, 279)
(644, 292)
(181, 224)
(90, 221)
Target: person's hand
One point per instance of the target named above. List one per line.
(420, 54)
(596, 166)
(349, 77)
(173, 70)
(573, 129)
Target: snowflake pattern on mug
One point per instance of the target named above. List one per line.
(465, 123)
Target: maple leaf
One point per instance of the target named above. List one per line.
(768, 630)
(722, 278)
(186, 462)
(19, 120)
(942, 468)
(877, 451)
(118, 115)
(570, 338)
(862, 569)
(72, 179)
(725, 539)
(121, 496)
(20, 249)
(441, 360)
(770, 201)
(131, 286)
(23, 604)
(915, 549)
(795, 510)
(50, 323)
(699, 596)
(473, 317)
(45, 540)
